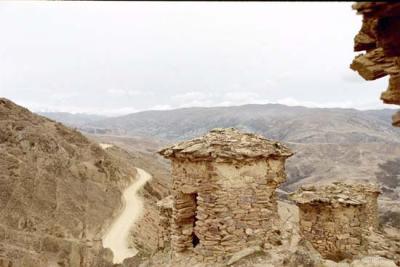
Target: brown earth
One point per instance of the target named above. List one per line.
(142, 153)
(58, 191)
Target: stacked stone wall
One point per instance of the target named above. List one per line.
(336, 231)
(165, 217)
(371, 208)
(227, 206)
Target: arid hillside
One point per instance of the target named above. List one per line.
(58, 191)
(329, 144)
(142, 153)
(324, 156)
(284, 123)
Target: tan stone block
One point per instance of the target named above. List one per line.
(343, 236)
(306, 224)
(209, 243)
(249, 231)
(188, 189)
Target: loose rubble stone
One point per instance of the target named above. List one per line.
(243, 253)
(373, 261)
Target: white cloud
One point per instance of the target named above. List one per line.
(172, 55)
(161, 107)
(192, 95)
(195, 99)
(352, 77)
(122, 92)
(36, 107)
(241, 97)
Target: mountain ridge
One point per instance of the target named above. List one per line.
(329, 144)
(275, 121)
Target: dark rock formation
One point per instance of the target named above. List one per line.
(380, 38)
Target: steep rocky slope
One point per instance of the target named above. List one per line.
(58, 191)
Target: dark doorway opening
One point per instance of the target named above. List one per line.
(195, 239)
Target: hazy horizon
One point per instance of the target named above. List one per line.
(171, 109)
(116, 58)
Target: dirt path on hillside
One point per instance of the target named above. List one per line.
(116, 238)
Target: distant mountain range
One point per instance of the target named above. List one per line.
(275, 121)
(71, 119)
(330, 144)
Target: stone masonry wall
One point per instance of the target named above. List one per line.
(336, 231)
(371, 208)
(186, 180)
(232, 205)
(165, 216)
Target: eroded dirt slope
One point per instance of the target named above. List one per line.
(58, 191)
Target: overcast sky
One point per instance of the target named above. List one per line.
(121, 57)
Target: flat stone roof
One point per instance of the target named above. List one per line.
(227, 144)
(336, 193)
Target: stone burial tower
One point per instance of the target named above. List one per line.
(224, 192)
(335, 218)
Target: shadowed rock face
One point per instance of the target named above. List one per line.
(57, 191)
(380, 37)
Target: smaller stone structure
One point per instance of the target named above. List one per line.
(223, 192)
(164, 207)
(336, 217)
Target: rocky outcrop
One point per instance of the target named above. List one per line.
(380, 38)
(58, 190)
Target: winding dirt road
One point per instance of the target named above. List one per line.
(116, 238)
